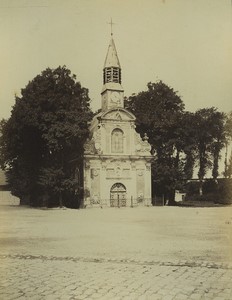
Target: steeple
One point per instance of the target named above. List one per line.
(112, 91)
(112, 68)
(112, 56)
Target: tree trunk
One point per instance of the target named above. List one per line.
(215, 165)
(200, 187)
(45, 200)
(25, 200)
(171, 198)
(225, 162)
(60, 200)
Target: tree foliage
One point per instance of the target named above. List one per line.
(45, 133)
(228, 126)
(229, 167)
(210, 138)
(204, 122)
(228, 134)
(159, 113)
(180, 139)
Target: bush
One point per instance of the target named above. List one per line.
(224, 191)
(192, 188)
(219, 191)
(210, 186)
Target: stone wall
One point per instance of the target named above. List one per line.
(7, 199)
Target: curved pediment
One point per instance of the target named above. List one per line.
(118, 114)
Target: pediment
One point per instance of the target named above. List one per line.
(118, 114)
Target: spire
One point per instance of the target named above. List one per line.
(112, 68)
(112, 76)
(112, 56)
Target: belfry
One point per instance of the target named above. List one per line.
(117, 161)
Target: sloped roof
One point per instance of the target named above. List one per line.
(111, 56)
(118, 113)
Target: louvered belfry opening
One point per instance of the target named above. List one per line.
(112, 74)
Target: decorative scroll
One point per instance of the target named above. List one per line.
(93, 146)
(90, 147)
(142, 147)
(97, 140)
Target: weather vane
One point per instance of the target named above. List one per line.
(111, 26)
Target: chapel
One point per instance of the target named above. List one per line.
(117, 161)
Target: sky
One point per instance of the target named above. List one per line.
(185, 43)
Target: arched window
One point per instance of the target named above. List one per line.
(117, 141)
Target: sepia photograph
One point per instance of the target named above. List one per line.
(116, 149)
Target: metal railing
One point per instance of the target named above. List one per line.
(121, 202)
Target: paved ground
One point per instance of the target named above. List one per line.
(126, 253)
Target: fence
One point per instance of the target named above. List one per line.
(7, 199)
(158, 201)
(124, 202)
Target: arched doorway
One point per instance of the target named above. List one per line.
(118, 195)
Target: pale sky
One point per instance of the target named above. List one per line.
(185, 43)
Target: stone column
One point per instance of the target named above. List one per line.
(147, 193)
(87, 184)
(104, 198)
(133, 183)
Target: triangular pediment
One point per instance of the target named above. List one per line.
(118, 114)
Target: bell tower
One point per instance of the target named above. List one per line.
(112, 91)
(117, 161)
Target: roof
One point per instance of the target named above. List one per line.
(111, 56)
(117, 113)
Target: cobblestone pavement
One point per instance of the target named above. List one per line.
(145, 253)
(41, 277)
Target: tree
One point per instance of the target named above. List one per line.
(155, 110)
(229, 167)
(178, 138)
(218, 140)
(210, 139)
(185, 134)
(228, 137)
(159, 114)
(46, 131)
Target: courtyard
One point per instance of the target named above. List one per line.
(115, 253)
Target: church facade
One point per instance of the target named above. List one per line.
(117, 161)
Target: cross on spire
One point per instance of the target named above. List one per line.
(111, 26)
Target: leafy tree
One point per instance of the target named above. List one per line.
(229, 167)
(178, 138)
(159, 113)
(228, 126)
(228, 136)
(42, 142)
(210, 139)
(155, 110)
(218, 140)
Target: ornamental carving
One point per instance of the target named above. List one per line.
(142, 147)
(148, 167)
(95, 199)
(97, 141)
(140, 197)
(87, 165)
(133, 126)
(94, 172)
(89, 147)
(140, 172)
(118, 171)
(133, 166)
